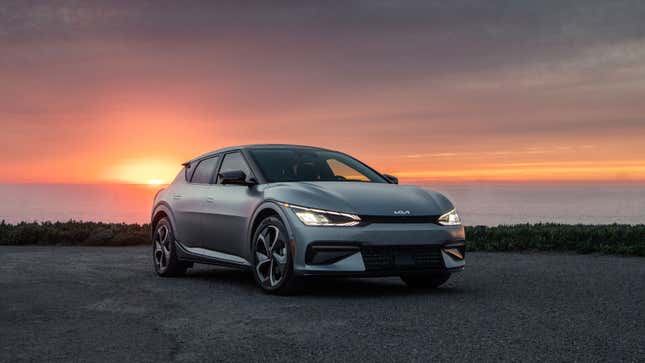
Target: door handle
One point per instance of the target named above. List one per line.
(210, 200)
(177, 196)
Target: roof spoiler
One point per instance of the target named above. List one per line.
(186, 164)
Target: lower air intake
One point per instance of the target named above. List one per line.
(384, 258)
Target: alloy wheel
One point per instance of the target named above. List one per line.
(271, 256)
(162, 247)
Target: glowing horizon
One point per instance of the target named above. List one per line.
(153, 172)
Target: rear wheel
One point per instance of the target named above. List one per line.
(425, 281)
(272, 259)
(164, 251)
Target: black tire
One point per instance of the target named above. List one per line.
(164, 251)
(424, 281)
(275, 275)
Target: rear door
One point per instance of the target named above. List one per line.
(188, 203)
(228, 210)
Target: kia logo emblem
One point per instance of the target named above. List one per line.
(401, 212)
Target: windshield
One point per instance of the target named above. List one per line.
(293, 164)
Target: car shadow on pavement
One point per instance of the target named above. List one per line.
(368, 287)
(227, 275)
(324, 286)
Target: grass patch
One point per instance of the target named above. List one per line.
(74, 233)
(608, 239)
(619, 239)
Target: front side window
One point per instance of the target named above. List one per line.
(204, 171)
(294, 164)
(232, 162)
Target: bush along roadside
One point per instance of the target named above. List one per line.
(609, 239)
(74, 233)
(583, 238)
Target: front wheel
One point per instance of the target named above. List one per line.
(425, 281)
(272, 258)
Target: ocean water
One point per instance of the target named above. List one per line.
(477, 203)
(512, 203)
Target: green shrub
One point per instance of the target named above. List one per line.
(74, 233)
(610, 239)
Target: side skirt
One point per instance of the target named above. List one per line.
(210, 257)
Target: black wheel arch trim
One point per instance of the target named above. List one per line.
(273, 206)
(165, 208)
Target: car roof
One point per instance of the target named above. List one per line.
(254, 146)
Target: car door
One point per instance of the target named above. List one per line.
(188, 203)
(229, 208)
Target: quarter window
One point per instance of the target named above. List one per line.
(204, 171)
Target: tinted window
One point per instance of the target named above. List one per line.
(234, 161)
(292, 164)
(189, 170)
(204, 171)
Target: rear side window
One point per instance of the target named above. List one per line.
(234, 161)
(204, 170)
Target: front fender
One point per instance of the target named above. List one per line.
(267, 205)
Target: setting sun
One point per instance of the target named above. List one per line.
(142, 171)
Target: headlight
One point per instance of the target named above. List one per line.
(450, 219)
(317, 217)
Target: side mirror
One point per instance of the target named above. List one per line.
(391, 178)
(236, 177)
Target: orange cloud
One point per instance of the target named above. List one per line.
(542, 171)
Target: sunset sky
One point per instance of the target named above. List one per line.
(94, 92)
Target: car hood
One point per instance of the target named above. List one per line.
(378, 199)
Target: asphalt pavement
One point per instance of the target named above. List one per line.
(106, 304)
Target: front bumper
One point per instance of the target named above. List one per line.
(385, 249)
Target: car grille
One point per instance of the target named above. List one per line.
(366, 219)
(384, 258)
